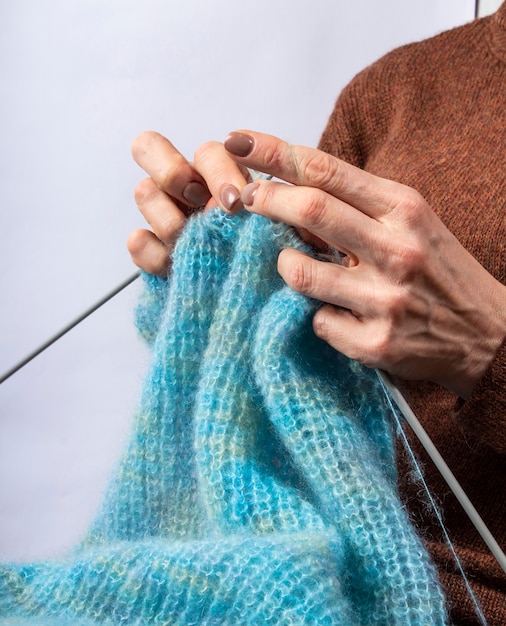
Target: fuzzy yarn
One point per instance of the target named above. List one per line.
(259, 483)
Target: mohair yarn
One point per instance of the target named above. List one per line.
(259, 484)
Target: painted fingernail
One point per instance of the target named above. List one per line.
(230, 198)
(248, 194)
(196, 194)
(239, 144)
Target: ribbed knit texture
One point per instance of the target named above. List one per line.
(432, 115)
(259, 484)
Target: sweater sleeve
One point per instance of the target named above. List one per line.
(149, 309)
(483, 415)
(363, 112)
(367, 110)
(343, 135)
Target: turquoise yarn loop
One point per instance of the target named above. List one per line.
(258, 485)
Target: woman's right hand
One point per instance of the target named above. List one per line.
(173, 190)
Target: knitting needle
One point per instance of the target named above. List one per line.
(443, 468)
(394, 392)
(15, 368)
(433, 452)
(389, 386)
(68, 327)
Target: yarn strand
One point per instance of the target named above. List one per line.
(393, 392)
(396, 400)
(258, 485)
(247, 442)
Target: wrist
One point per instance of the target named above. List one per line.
(491, 335)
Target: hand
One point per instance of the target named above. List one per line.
(175, 188)
(409, 298)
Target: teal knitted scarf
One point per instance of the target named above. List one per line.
(259, 483)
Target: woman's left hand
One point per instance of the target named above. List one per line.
(409, 298)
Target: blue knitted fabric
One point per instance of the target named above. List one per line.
(258, 485)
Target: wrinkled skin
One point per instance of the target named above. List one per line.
(408, 298)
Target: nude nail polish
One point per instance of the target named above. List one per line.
(239, 144)
(196, 194)
(248, 194)
(230, 198)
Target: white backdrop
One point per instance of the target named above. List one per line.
(79, 80)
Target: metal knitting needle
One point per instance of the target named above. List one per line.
(431, 449)
(443, 468)
(394, 392)
(433, 452)
(15, 368)
(68, 327)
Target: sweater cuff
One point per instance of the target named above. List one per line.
(483, 415)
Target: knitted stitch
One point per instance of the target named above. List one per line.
(432, 115)
(259, 484)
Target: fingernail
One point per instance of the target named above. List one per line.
(196, 194)
(248, 193)
(230, 198)
(239, 144)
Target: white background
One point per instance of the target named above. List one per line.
(79, 79)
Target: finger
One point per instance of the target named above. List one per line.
(159, 210)
(327, 217)
(327, 282)
(223, 176)
(346, 333)
(299, 165)
(367, 341)
(169, 169)
(148, 252)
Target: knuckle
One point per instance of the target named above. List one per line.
(147, 253)
(313, 210)
(379, 352)
(135, 244)
(322, 170)
(414, 200)
(172, 169)
(383, 350)
(204, 152)
(322, 324)
(406, 260)
(143, 191)
(169, 228)
(409, 203)
(274, 156)
(326, 327)
(300, 276)
(397, 306)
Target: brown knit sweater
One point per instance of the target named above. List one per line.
(432, 115)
